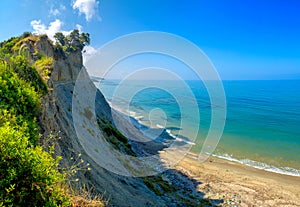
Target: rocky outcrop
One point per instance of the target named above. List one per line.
(66, 66)
(44, 46)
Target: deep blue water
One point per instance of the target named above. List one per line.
(262, 124)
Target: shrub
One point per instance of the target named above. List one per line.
(29, 127)
(6, 46)
(29, 175)
(16, 95)
(28, 73)
(44, 66)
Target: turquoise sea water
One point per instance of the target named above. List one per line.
(262, 125)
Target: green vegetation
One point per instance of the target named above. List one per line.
(21, 47)
(29, 176)
(162, 187)
(72, 42)
(19, 102)
(44, 65)
(158, 185)
(6, 46)
(20, 65)
(115, 137)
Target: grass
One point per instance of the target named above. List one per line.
(44, 66)
(163, 188)
(158, 185)
(115, 137)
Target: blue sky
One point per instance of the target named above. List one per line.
(244, 39)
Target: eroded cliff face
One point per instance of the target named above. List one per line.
(56, 118)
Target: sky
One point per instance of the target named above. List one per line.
(257, 39)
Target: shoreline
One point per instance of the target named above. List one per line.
(246, 162)
(221, 161)
(261, 166)
(255, 164)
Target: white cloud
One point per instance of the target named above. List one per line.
(79, 27)
(57, 11)
(38, 27)
(54, 12)
(62, 7)
(86, 7)
(88, 51)
(54, 27)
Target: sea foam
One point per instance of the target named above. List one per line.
(260, 165)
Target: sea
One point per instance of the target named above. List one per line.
(262, 126)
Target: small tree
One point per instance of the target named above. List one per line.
(26, 34)
(74, 41)
(60, 38)
(85, 39)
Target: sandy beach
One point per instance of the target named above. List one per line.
(235, 183)
(241, 185)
